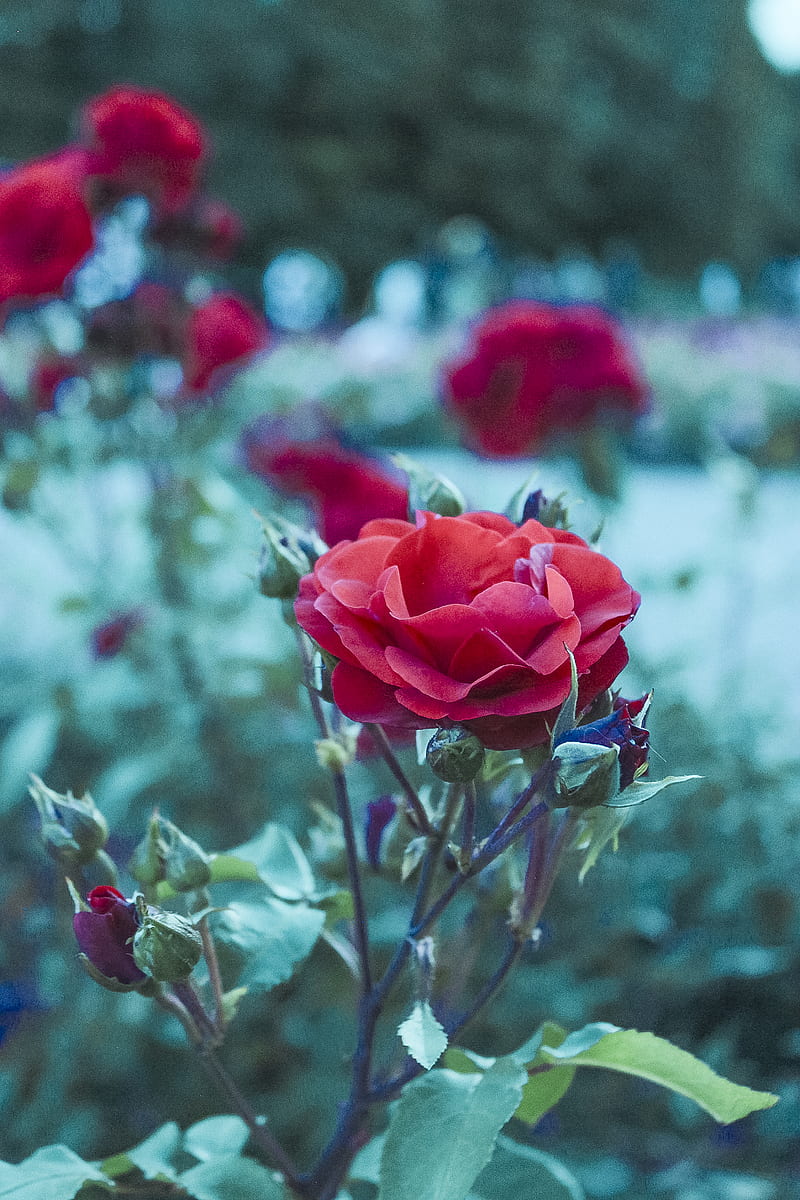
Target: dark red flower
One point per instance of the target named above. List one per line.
(105, 934)
(48, 374)
(45, 227)
(152, 320)
(618, 729)
(142, 142)
(221, 332)
(379, 814)
(466, 620)
(533, 369)
(109, 638)
(344, 488)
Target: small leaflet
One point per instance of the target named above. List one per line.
(423, 1036)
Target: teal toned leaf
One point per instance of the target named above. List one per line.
(649, 1057)
(338, 906)
(526, 1174)
(27, 749)
(642, 789)
(423, 1036)
(154, 1156)
(52, 1173)
(280, 862)
(413, 856)
(547, 1083)
(367, 1163)
(216, 1137)
(567, 714)
(466, 1062)
(443, 1129)
(232, 1178)
(268, 939)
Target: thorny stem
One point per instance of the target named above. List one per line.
(421, 818)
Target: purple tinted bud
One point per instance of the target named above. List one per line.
(618, 729)
(105, 934)
(533, 506)
(379, 814)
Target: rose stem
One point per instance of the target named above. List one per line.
(520, 804)
(261, 1136)
(215, 979)
(468, 832)
(421, 818)
(323, 1182)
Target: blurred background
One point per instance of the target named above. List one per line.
(397, 169)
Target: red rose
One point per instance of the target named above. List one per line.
(143, 142)
(47, 376)
(219, 333)
(466, 620)
(105, 933)
(345, 488)
(45, 227)
(532, 369)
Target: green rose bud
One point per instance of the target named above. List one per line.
(283, 561)
(585, 775)
(455, 755)
(166, 945)
(166, 853)
(72, 830)
(428, 491)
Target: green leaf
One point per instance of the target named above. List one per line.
(280, 862)
(526, 1174)
(27, 749)
(338, 906)
(600, 826)
(229, 868)
(216, 1137)
(565, 721)
(268, 939)
(413, 856)
(52, 1173)
(154, 1156)
(642, 789)
(422, 1035)
(367, 1163)
(545, 1087)
(232, 1178)
(443, 1129)
(649, 1057)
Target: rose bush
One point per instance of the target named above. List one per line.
(466, 620)
(532, 369)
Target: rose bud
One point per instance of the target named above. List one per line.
(166, 853)
(618, 730)
(455, 755)
(72, 830)
(551, 513)
(282, 562)
(585, 775)
(428, 491)
(165, 945)
(105, 932)
(379, 814)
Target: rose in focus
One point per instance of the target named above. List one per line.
(535, 369)
(105, 934)
(466, 620)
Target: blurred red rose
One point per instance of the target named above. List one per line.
(219, 333)
(466, 620)
(109, 638)
(144, 143)
(48, 374)
(533, 369)
(45, 226)
(343, 487)
(152, 320)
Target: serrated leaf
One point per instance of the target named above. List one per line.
(26, 749)
(642, 789)
(280, 862)
(443, 1129)
(422, 1035)
(216, 1137)
(268, 939)
(545, 1087)
(232, 1178)
(52, 1173)
(649, 1057)
(526, 1173)
(154, 1156)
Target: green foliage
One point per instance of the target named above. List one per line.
(525, 1173)
(52, 1173)
(443, 1129)
(267, 938)
(422, 1035)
